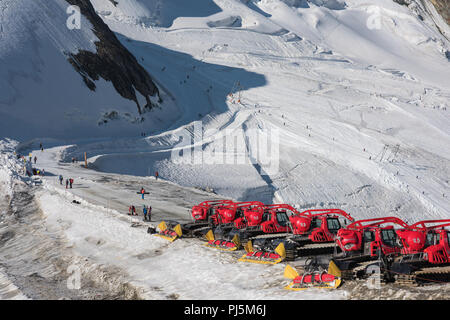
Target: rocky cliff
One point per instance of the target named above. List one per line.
(112, 62)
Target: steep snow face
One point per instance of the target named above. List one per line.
(443, 7)
(41, 94)
(155, 12)
(381, 33)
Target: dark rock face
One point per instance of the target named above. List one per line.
(402, 2)
(112, 62)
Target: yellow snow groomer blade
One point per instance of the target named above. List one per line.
(263, 257)
(290, 272)
(224, 245)
(319, 280)
(169, 234)
(334, 270)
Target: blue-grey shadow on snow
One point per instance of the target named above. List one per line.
(254, 7)
(197, 87)
(330, 4)
(167, 11)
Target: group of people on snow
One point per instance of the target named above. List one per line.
(146, 210)
(69, 182)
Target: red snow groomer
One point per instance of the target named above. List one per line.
(251, 218)
(225, 215)
(364, 241)
(311, 232)
(271, 218)
(206, 209)
(314, 232)
(172, 230)
(425, 254)
(224, 220)
(273, 223)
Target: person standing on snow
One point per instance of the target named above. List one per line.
(142, 192)
(61, 179)
(70, 182)
(35, 159)
(67, 183)
(144, 211)
(150, 213)
(156, 175)
(132, 211)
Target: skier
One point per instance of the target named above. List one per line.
(67, 183)
(144, 211)
(150, 213)
(35, 159)
(142, 192)
(61, 179)
(71, 182)
(156, 175)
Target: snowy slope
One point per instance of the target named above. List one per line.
(41, 94)
(358, 93)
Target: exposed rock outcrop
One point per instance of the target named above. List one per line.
(112, 62)
(443, 7)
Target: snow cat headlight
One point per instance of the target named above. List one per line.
(349, 246)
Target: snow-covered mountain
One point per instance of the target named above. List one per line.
(63, 81)
(356, 93)
(315, 103)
